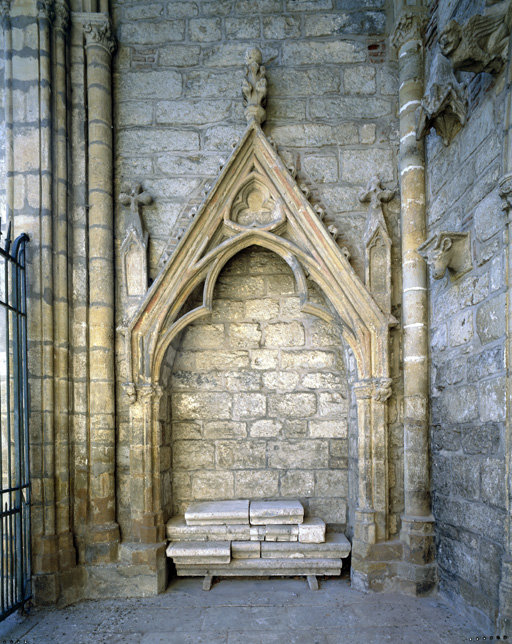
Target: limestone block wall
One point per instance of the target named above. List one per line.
(259, 397)
(331, 106)
(467, 342)
(331, 109)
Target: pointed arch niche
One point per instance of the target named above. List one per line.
(255, 202)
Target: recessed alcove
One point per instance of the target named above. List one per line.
(256, 396)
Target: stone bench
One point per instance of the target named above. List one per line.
(260, 538)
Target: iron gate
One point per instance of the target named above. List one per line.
(15, 573)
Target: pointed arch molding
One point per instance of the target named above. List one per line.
(255, 201)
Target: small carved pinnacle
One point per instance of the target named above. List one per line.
(254, 88)
(375, 193)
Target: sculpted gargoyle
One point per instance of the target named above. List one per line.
(480, 45)
(447, 250)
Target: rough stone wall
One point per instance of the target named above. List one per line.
(467, 320)
(260, 397)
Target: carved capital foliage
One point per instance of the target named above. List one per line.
(5, 8)
(444, 105)
(254, 88)
(100, 33)
(505, 191)
(447, 250)
(378, 389)
(480, 44)
(45, 9)
(410, 26)
(61, 16)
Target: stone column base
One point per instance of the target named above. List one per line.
(418, 567)
(151, 528)
(101, 544)
(141, 571)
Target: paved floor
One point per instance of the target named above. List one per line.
(280, 611)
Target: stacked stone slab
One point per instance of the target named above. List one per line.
(243, 538)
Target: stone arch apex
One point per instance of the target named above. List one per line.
(280, 218)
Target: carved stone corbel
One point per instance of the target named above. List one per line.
(481, 44)
(444, 105)
(254, 87)
(378, 244)
(134, 249)
(447, 250)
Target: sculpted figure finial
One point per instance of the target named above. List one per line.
(480, 45)
(254, 87)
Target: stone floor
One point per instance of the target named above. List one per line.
(246, 612)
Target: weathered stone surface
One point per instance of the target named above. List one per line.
(245, 549)
(281, 532)
(217, 513)
(275, 512)
(178, 530)
(259, 567)
(200, 552)
(335, 545)
(312, 530)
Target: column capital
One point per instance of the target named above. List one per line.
(505, 192)
(45, 10)
(61, 16)
(378, 389)
(409, 26)
(100, 34)
(5, 8)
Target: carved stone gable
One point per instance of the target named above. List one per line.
(256, 201)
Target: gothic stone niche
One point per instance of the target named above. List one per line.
(255, 202)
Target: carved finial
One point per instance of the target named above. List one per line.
(135, 197)
(481, 44)
(447, 250)
(254, 88)
(444, 105)
(100, 33)
(376, 195)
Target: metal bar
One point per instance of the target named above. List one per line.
(15, 570)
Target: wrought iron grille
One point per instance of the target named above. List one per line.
(15, 572)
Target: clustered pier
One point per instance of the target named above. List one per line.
(253, 538)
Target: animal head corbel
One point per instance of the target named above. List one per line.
(447, 250)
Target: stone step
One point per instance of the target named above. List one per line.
(336, 545)
(312, 530)
(263, 567)
(200, 552)
(218, 513)
(276, 512)
(178, 530)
